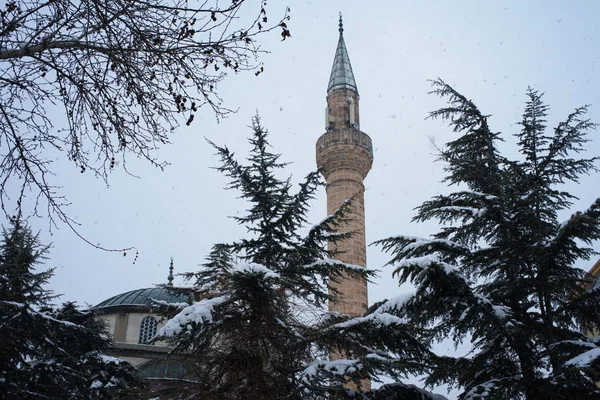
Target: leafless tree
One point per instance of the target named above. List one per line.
(121, 75)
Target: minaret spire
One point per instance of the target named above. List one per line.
(341, 71)
(170, 277)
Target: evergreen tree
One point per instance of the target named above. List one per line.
(49, 352)
(501, 269)
(20, 286)
(260, 329)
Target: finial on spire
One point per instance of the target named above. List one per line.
(170, 277)
(341, 24)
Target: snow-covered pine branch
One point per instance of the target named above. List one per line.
(509, 283)
(260, 328)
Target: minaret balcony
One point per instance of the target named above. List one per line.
(346, 148)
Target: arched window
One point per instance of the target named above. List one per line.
(147, 329)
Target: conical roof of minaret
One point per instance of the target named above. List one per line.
(341, 72)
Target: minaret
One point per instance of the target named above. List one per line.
(345, 156)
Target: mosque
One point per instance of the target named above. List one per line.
(345, 155)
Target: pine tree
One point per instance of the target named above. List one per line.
(75, 365)
(500, 271)
(260, 329)
(49, 352)
(20, 286)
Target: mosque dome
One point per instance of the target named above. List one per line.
(140, 299)
(133, 320)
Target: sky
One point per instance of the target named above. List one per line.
(489, 51)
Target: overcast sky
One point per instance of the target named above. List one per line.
(489, 51)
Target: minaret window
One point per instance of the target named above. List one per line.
(147, 329)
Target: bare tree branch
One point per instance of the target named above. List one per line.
(126, 73)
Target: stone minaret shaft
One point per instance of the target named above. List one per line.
(345, 156)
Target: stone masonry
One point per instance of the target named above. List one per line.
(345, 157)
